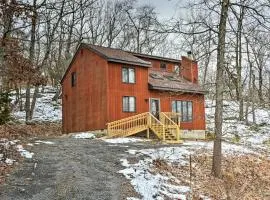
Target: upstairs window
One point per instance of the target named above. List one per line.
(73, 79)
(128, 75)
(184, 108)
(177, 69)
(163, 65)
(129, 104)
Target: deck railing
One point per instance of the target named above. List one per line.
(167, 119)
(175, 117)
(146, 121)
(120, 127)
(157, 126)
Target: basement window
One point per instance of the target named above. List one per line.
(129, 104)
(185, 108)
(73, 79)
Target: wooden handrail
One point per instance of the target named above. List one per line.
(127, 118)
(146, 121)
(157, 126)
(173, 116)
(169, 123)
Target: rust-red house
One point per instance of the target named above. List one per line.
(103, 85)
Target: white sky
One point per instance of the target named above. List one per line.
(165, 8)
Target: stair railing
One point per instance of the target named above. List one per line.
(175, 117)
(166, 119)
(156, 126)
(120, 127)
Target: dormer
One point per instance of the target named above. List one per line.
(161, 63)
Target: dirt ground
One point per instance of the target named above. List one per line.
(69, 169)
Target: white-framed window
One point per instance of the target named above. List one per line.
(177, 69)
(129, 104)
(128, 75)
(184, 108)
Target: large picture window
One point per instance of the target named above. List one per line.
(184, 108)
(128, 75)
(129, 104)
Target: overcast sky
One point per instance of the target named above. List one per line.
(164, 8)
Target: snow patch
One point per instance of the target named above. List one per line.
(43, 142)
(24, 152)
(123, 140)
(84, 135)
(9, 161)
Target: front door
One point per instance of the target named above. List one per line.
(155, 107)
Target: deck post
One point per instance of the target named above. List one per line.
(163, 128)
(177, 134)
(147, 133)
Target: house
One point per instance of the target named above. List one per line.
(126, 93)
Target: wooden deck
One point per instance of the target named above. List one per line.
(166, 128)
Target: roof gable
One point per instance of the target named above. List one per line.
(117, 55)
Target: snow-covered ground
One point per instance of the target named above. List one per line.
(257, 136)
(151, 185)
(46, 110)
(6, 146)
(241, 140)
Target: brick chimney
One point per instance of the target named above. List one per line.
(189, 68)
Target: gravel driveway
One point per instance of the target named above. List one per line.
(69, 169)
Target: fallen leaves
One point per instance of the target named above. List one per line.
(244, 177)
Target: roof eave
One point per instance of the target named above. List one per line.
(177, 90)
(156, 57)
(129, 62)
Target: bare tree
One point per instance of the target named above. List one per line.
(220, 88)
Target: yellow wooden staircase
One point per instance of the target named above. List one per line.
(166, 128)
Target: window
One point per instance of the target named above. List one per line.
(73, 79)
(184, 108)
(128, 75)
(163, 65)
(156, 76)
(129, 104)
(171, 78)
(177, 69)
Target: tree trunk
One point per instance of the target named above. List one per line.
(216, 165)
(260, 93)
(33, 103)
(28, 105)
(248, 99)
(253, 99)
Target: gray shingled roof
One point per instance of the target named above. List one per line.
(117, 55)
(168, 81)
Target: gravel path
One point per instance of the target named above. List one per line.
(69, 169)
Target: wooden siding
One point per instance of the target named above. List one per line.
(85, 105)
(118, 89)
(140, 90)
(156, 64)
